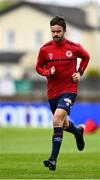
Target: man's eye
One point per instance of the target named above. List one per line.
(56, 31)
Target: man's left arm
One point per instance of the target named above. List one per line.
(84, 55)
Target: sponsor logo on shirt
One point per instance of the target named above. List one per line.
(50, 56)
(69, 53)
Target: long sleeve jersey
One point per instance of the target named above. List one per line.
(63, 56)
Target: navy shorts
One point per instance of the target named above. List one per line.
(64, 101)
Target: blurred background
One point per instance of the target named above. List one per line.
(24, 28)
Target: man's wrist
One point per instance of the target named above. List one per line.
(81, 72)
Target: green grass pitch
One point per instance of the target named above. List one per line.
(22, 151)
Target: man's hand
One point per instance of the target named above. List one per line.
(76, 77)
(52, 70)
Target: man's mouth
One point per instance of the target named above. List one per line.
(56, 37)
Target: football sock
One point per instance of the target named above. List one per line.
(71, 128)
(56, 142)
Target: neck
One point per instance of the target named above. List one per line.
(60, 42)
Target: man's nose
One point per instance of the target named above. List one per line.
(56, 33)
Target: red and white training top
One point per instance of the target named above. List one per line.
(63, 56)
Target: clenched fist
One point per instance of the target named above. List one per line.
(76, 77)
(52, 70)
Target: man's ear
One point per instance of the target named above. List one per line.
(65, 31)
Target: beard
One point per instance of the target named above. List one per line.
(57, 39)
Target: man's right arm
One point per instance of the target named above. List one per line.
(40, 66)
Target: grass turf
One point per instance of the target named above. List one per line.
(22, 151)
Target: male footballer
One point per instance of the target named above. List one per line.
(57, 60)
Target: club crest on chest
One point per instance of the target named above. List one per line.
(69, 53)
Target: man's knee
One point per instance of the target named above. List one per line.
(66, 123)
(57, 121)
(58, 118)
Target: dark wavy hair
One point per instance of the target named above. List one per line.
(58, 20)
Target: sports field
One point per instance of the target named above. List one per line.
(22, 151)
